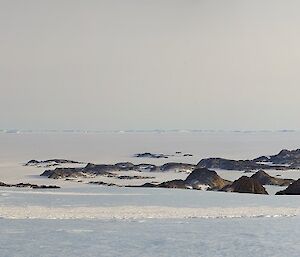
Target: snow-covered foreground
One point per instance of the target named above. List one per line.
(91, 220)
(147, 212)
(267, 237)
(145, 222)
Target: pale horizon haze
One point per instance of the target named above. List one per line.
(141, 64)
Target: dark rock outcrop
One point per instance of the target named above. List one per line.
(125, 165)
(109, 169)
(292, 189)
(28, 185)
(32, 162)
(60, 173)
(159, 155)
(245, 185)
(101, 183)
(241, 165)
(262, 159)
(224, 164)
(265, 179)
(289, 158)
(150, 155)
(177, 167)
(90, 170)
(50, 162)
(285, 159)
(202, 176)
(146, 167)
(133, 177)
(176, 183)
(146, 185)
(101, 169)
(198, 179)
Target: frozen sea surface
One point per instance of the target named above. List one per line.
(102, 196)
(215, 237)
(108, 203)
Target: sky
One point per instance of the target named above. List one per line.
(150, 64)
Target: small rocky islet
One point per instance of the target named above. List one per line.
(161, 155)
(292, 189)
(265, 179)
(199, 179)
(245, 185)
(50, 162)
(29, 185)
(201, 176)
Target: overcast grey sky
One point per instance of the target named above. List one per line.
(145, 64)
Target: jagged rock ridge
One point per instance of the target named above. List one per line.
(290, 158)
(91, 170)
(284, 160)
(50, 162)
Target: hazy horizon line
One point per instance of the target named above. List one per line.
(17, 130)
